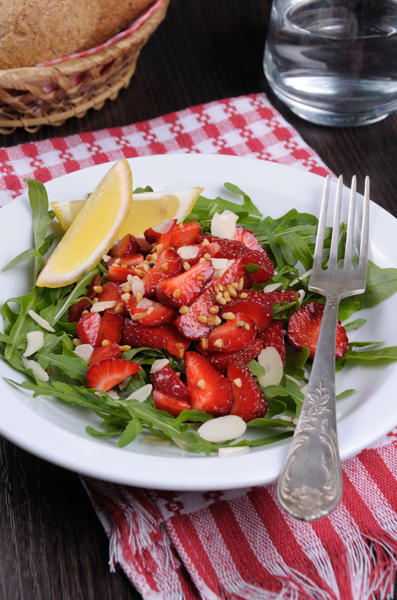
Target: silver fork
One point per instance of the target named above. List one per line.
(310, 485)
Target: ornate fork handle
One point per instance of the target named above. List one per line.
(310, 485)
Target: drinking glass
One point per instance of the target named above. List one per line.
(334, 62)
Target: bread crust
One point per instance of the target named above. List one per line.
(36, 31)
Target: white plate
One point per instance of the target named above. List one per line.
(56, 431)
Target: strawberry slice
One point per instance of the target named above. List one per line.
(278, 297)
(110, 328)
(150, 313)
(151, 236)
(210, 390)
(304, 328)
(130, 260)
(88, 328)
(220, 360)
(127, 245)
(169, 264)
(249, 400)
(110, 291)
(185, 234)
(104, 352)
(136, 335)
(119, 274)
(168, 382)
(110, 372)
(253, 304)
(175, 342)
(186, 287)
(274, 336)
(77, 309)
(233, 335)
(248, 238)
(188, 324)
(173, 406)
(164, 240)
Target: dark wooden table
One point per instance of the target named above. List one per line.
(52, 546)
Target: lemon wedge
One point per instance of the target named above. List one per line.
(148, 209)
(93, 231)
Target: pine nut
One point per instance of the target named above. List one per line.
(77, 342)
(154, 257)
(211, 320)
(181, 353)
(202, 319)
(214, 310)
(117, 261)
(138, 316)
(231, 291)
(159, 248)
(205, 242)
(244, 295)
(247, 326)
(125, 288)
(221, 301)
(201, 384)
(164, 267)
(98, 289)
(217, 320)
(148, 257)
(235, 285)
(186, 266)
(105, 343)
(219, 296)
(184, 310)
(202, 260)
(200, 277)
(238, 382)
(139, 273)
(95, 300)
(216, 289)
(139, 296)
(207, 256)
(240, 323)
(229, 316)
(226, 296)
(218, 343)
(125, 348)
(180, 225)
(203, 342)
(85, 312)
(241, 283)
(150, 310)
(119, 308)
(125, 297)
(177, 293)
(220, 286)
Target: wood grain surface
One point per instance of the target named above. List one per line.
(52, 546)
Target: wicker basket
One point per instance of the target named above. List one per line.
(49, 95)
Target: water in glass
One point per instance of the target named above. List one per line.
(334, 62)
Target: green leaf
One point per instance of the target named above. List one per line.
(74, 367)
(79, 289)
(354, 324)
(31, 253)
(345, 311)
(381, 283)
(21, 326)
(256, 369)
(133, 429)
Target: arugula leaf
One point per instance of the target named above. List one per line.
(381, 283)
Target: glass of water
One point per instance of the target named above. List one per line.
(334, 62)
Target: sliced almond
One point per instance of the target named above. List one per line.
(35, 342)
(222, 429)
(270, 360)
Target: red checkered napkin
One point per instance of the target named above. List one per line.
(236, 544)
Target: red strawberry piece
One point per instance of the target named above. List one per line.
(185, 234)
(119, 274)
(253, 304)
(210, 390)
(220, 360)
(110, 372)
(173, 406)
(127, 245)
(104, 352)
(274, 336)
(144, 246)
(76, 310)
(262, 259)
(304, 328)
(248, 238)
(110, 328)
(164, 240)
(186, 287)
(130, 260)
(136, 335)
(150, 313)
(233, 335)
(169, 264)
(168, 382)
(151, 236)
(188, 324)
(175, 343)
(110, 291)
(249, 401)
(234, 249)
(277, 296)
(88, 328)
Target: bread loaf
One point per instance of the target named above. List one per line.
(35, 31)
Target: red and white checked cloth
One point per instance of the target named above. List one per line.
(236, 544)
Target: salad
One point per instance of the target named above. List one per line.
(189, 334)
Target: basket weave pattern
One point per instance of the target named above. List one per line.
(49, 95)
